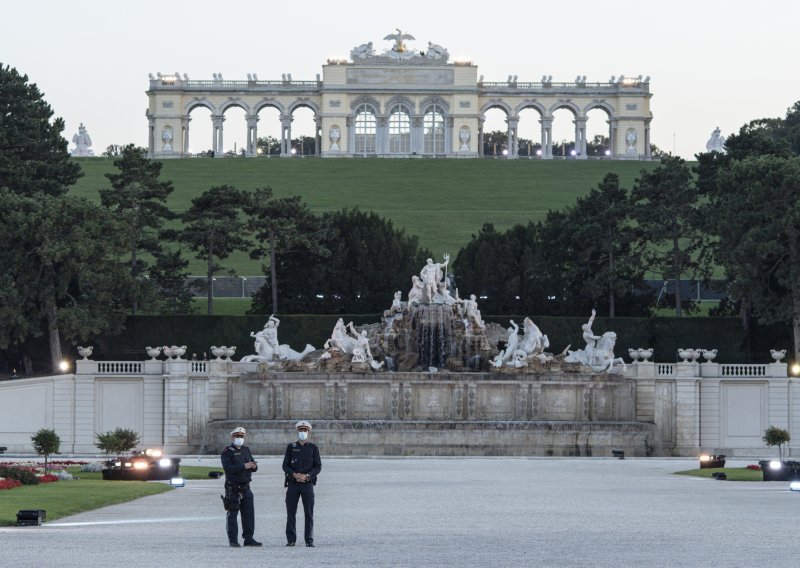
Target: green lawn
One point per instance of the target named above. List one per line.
(733, 473)
(443, 202)
(64, 498)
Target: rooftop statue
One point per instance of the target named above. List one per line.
(716, 143)
(82, 142)
(399, 46)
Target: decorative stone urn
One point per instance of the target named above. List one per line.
(85, 352)
(153, 352)
(634, 354)
(230, 351)
(688, 354)
(175, 352)
(709, 354)
(645, 354)
(219, 352)
(778, 355)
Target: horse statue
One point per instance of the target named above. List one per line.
(604, 360)
(598, 357)
(534, 342)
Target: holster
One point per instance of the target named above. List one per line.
(233, 496)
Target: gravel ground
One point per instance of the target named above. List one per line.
(415, 512)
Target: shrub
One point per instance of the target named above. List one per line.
(46, 442)
(774, 436)
(23, 476)
(120, 440)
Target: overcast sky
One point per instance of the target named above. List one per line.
(711, 63)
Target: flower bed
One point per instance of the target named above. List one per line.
(754, 467)
(8, 483)
(14, 474)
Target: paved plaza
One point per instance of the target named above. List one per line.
(415, 512)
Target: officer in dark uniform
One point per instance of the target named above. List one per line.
(301, 465)
(239, 465)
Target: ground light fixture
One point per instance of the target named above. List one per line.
(64, 366)
(620, 454)
(794, 486)
(177, 482)
(709, 461)
(795, 369)
(31, 517)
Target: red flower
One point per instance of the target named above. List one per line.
(9, 484)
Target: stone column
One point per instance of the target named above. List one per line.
(252, 135)
(449, 123)
(647, 139)
(580, 137)
(381, 138)
(612, 137)
(351, 135)
(216, 142)
(151, 136)
(511, 145)
(481, 120)
(547, 137)
(688, 415)
(286, 136)
(185, 120)
(317, 135)
(417, 142)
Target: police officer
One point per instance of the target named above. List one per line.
(301, 465)
(239, 465)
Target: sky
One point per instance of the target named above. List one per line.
(712, 63)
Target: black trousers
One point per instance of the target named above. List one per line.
(294, 493)
(247, 511)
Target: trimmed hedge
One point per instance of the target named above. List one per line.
(664, 335)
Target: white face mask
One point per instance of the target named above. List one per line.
(303, 436)
(238, 442)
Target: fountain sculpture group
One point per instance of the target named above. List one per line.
(435, 330)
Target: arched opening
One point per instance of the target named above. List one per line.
(364, 130)
(199, 140)
(304, 131)
(564, 133)
(234, 139)
(495, 132)
(598, 143)
(399, 129)
(529, 133)
(268, 139)
(433, 130)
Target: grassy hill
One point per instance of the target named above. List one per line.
(443, 202)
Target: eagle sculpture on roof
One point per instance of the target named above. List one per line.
(398, 38)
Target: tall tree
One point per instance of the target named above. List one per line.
(755, 217)
(284, 226)
(369, 260)
(170, 275)
(606, 247)
(137, 198)
(33, 154)
(215, 226)
(667, 210)
(62, 274)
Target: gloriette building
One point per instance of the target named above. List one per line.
(399, 103)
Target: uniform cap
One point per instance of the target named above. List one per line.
(239, 430)
(302, 424)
